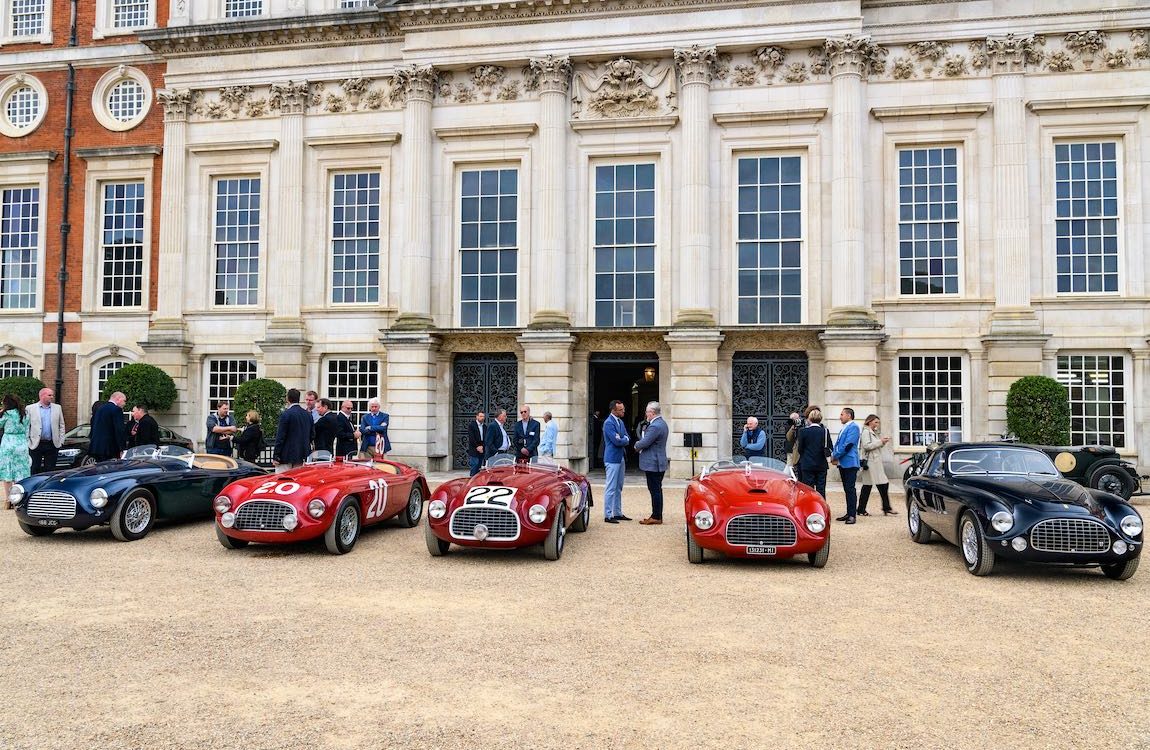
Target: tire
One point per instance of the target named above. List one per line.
(227, 541)
(584, 519)
(694, 551)
(819, 559)
(919, 531)
(31, 530)
(343, 533)
(1121, 571)
(1113, 479)
(976, 553)
(135, 516)
(436, 546)
(553, 545)
(414, 510)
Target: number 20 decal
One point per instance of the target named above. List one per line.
(378, 498)
(490, 495)
(267, 488)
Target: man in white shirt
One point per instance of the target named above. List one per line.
(497, 441)
(45, 431)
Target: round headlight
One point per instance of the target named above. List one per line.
(222, 504)
(704, 519)
(1120, 547)
(537, 514)
(315, 508)
(228, 520)
(1002, 521)
(1019, 543)
(15, 495)
(290, 522)
(1131, 525)
(437, 509)
(98, 498)
(816, 522)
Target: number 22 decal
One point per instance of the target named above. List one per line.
(378, 498)
(490, 495)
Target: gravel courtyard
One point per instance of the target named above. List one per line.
(175, 642)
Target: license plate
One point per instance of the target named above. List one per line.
(760, 550)
(48, 522)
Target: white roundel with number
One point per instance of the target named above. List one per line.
(275, 487)
(497, 496)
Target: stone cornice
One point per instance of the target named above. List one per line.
(269, 144)
(117, 152)
(359, 139)
(810, 115)
(665, 123)
(511, 130)
(27, 156)
(1093, 102)
(931, 110)
(327, 30)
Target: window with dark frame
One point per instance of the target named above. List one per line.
(1086, 216)
(625, 245)
(1097, 388)
(122, 245)
(928, 220)
(930, 395)
(770, 240)
(489, 247)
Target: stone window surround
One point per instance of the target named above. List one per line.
(6, 37)
(98, 361)
(1129, 382)
(104, 87)
(17, 364)
(105, 17)
(114, 167)
(892, 428)
(7, 87)
(30, 169)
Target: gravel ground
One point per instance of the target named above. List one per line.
(175, 642)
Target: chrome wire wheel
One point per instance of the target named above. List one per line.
(912, 519)
(970, 542)
(138, 514)
(348, 525)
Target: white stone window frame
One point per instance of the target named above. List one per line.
(1092, 120)
(6, 35)
(764, 134)
(100, 171)
(105, 18)
(1129, 387)
(930, 127)
(211, 390)
(103, 89)
(965, 371)
(9, 86)
(359, 406)
(30, 170)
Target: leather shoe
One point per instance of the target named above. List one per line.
(610, 520)
(652, 521)
(863, 513)
(850, 520)
(842, 518)
(890, 512)
(621, 517)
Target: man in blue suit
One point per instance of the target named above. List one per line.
(846, 457)
(108, 429)
(527, 434)
(652, 449)
(496, 441)
(615, 440)
(293, 435)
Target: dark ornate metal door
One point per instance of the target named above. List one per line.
(486, 382)
(767, 385)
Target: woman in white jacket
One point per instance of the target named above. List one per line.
(873, 473)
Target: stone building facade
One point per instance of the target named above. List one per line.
(734, 207)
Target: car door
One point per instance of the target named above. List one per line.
(187, 492)
(932, 490)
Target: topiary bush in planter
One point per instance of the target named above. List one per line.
(1038, 410)
(142, 384)
(25, 388)
(265, 396)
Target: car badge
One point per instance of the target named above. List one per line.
(480, 532)
(1065, 506)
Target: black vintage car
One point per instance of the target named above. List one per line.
(129, 494)
(995, 499)
(74, 450)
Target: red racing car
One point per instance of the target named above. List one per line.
(755, 508)
(327, 497)
(509, 505)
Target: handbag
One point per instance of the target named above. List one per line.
(827, 450)
(864, 464)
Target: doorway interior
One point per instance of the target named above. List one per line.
(631, 377)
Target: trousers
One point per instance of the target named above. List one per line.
(613, 492)
(655, 487)
(848, 477)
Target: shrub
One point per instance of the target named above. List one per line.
(265, 396)
(142, 384)
(27, 389)
(1038, 411)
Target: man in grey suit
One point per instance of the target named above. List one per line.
(45, 431)
(652, 449)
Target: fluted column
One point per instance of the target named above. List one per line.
(285, 267)
(416, 85)
(549, 304)
(695, 66)
(173, 233)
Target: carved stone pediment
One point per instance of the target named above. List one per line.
(623, 88)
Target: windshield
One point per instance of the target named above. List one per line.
(152, 451)
(503, 459)
(1000, 461)
(319, 457)
(748, 465)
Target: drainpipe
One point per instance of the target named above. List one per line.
(65, 225)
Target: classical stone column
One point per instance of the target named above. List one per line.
(695, 66)
(549, 304)
(285, 242)
(416, 84)
(1141, 399)
(548, 381)
(693, 397)
(413, 395)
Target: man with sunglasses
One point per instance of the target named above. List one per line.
(527, 433)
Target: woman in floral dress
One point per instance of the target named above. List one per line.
(15, 463)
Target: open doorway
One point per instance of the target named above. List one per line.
(632, 378)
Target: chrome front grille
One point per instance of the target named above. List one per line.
(1069, 535)
(52, 504)
(774, 531)
(262, 515)
(502, 524)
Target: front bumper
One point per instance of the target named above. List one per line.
(79, 521)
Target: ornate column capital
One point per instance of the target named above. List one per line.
(290, 97)
(550, 74)
(696, 64)
(175, 102)
(1011, 53)
(415, 82)
(854, 55)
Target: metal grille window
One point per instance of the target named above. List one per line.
(19, 247)
(122, 245)
(237, 241)
(1097, 386)
(243, 8)
(488, 244)
(928, 220)
(225, 376)
(625, 245)
(126, 100)
(130, 14)
(770, 240)
(14, 368)
(27, 17)
(355, 237)
(929, 399)
(355, 380)
(1086, 216)
(103, 373)
(23, 107)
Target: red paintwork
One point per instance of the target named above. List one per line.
(546, 485)
(330, 482)
(732, 493)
